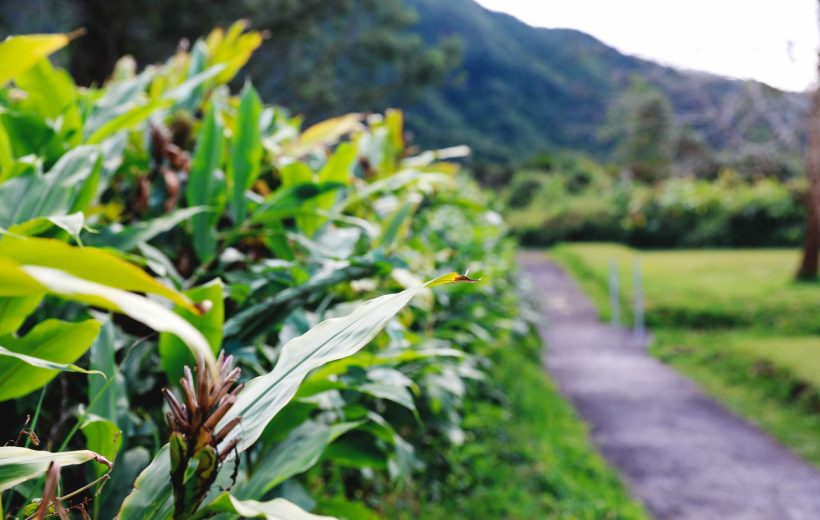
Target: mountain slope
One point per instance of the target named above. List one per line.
(523, 90)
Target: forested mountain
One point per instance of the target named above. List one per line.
(522, 89)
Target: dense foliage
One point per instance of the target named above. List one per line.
(161, 222)
(572, 198)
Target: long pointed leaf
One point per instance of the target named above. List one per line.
(20, 464)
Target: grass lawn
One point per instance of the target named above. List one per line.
(703, 288)
(733, 320)
(526, 456)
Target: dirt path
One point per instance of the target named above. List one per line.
(682, 454)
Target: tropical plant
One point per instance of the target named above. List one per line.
(163, 237)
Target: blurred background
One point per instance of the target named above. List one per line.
(561, 120)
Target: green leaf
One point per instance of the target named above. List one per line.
(60, 191)
(276, 509)
(173, 353)
(18, 465)
(201, 185)
(102, 436)
(324, 133)
(14, 311)
(290, 201)
(338, 169)
(109, 398)
(18, 53)
(129, 237)
(49, 91)
(88, 263)
(299, 174)
(6, 154)
(118, 98)
(246, 151)
(29, 362)
(127, 120)
(140, 308)
(300, 450)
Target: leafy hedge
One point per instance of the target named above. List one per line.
(579, 201)
(161, 222)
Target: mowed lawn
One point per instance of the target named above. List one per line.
(719, 288)
(733, 320)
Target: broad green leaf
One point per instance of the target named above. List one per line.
(88, 263)
(397, 221)
(102, 436)
(290, 201)
(298, 174)
(246, 151)
(138, 307)
(118, 99)
(49, 91)
(18, 465)
(266, 395)
(187, 88)
(18, 53)
(325, 133)
(276, 509)
(151, 497)
(109, 397)
(127, 120)
(16, 282)
(173, 352)
(6, 154)
(338, 169)
(29, 362)
(201, 185)
(300, 451)
(15, 310)
(128, 237)
(60, 191)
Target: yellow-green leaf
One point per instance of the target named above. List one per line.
(18, 53)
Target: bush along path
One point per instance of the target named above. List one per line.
(682, 454)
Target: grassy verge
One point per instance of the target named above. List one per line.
(526, 456)
(732, 320)
(717, 288)
(745, 372)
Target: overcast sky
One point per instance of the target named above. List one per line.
(773, 41)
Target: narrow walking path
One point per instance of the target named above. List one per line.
(682, 454)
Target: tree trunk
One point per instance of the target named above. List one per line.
(811, 246)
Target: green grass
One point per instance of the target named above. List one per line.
(732, 320)
(527, 456)
(773, 381)
(703, 288)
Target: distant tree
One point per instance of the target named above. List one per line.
(640, 124)
(320, 56)
(691, 155)
(811, 245)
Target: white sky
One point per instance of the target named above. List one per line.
(773, 41)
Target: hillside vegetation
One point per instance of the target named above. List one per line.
(523, 90)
